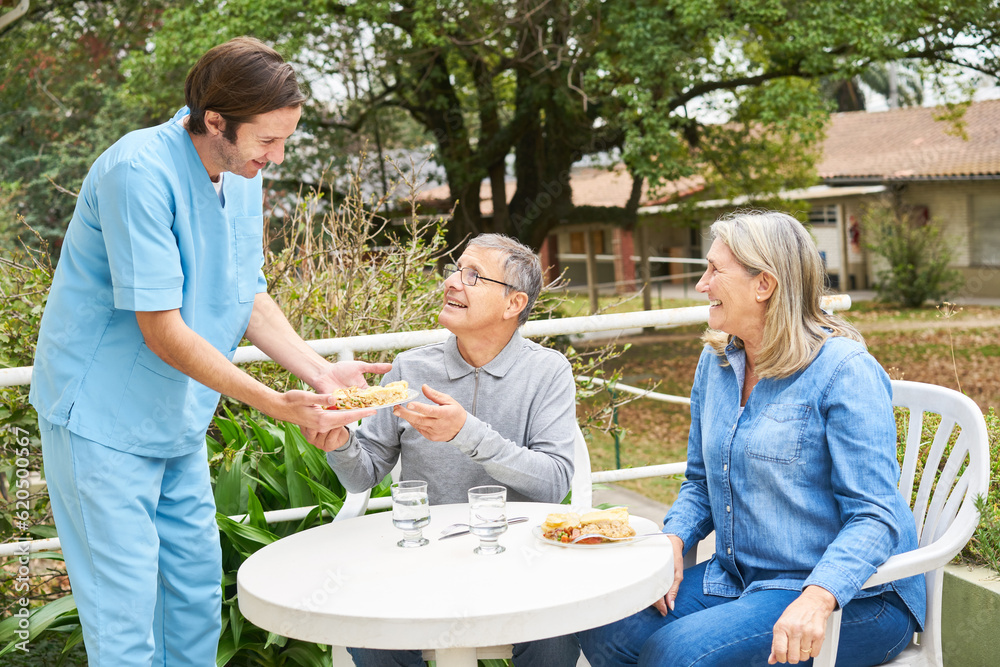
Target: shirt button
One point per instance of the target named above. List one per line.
(729, 551)
(727, 508)
(725, 467)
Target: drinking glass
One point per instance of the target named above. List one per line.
(488, 517)
(410, 511)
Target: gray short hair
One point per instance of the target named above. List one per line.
(521, 267)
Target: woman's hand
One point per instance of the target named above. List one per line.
(799, 633)
(666, 603)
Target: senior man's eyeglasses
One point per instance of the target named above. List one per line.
(470, 276)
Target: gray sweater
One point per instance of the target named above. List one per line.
(518, 432)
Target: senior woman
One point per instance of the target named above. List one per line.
(792, 461)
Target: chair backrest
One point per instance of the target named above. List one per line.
(944, 508)
(357, 504)
(582, 487)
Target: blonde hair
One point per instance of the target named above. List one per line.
(795, 327)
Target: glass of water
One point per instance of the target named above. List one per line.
(410, 511)
(488, 517)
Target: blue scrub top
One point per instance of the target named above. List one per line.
(148, 234)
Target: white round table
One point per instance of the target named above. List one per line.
(348, 584)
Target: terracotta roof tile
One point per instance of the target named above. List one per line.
(908, 144)
(592, 186)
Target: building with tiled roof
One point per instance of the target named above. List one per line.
(906, 145)
(949, 174)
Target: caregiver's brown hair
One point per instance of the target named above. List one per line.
(240, 79)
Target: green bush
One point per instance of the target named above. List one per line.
(917, 256)
(259, 466)
(25, 276)
(984, 548)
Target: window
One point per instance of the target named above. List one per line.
(577, 242)
(823, 215)
(986, 230)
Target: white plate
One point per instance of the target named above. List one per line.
(410, 395)
(639, 524)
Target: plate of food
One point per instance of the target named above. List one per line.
(599, 529)
(356, 399)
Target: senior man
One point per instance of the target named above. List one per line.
(501, 410)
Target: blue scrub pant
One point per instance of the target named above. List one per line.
(142, 550)
(709, 630)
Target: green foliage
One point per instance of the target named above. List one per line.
(917, 256)
(25, 276)
(59, 615)
(62, 105)
(259, 466)
(984, 548)
(680, 87)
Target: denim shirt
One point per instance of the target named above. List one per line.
(800, 486)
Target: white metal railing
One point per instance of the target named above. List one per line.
(578, 257)
(345, 348)
(637, 282)
(638, 391)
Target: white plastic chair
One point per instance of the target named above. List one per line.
(356, 504)
(944, 510)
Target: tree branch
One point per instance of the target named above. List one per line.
(14, 14)
(378, 102)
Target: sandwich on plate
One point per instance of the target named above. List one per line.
(353, 398)
(600, 524)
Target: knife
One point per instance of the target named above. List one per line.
(517, 519)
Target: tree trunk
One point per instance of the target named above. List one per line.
(467, 219)
(498, 192)
(542, 166)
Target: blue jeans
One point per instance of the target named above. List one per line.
(712, 630)
(555, 652)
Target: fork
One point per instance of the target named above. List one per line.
(588, 536)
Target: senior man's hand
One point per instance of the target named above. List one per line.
(326, 440)
(438, 423)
